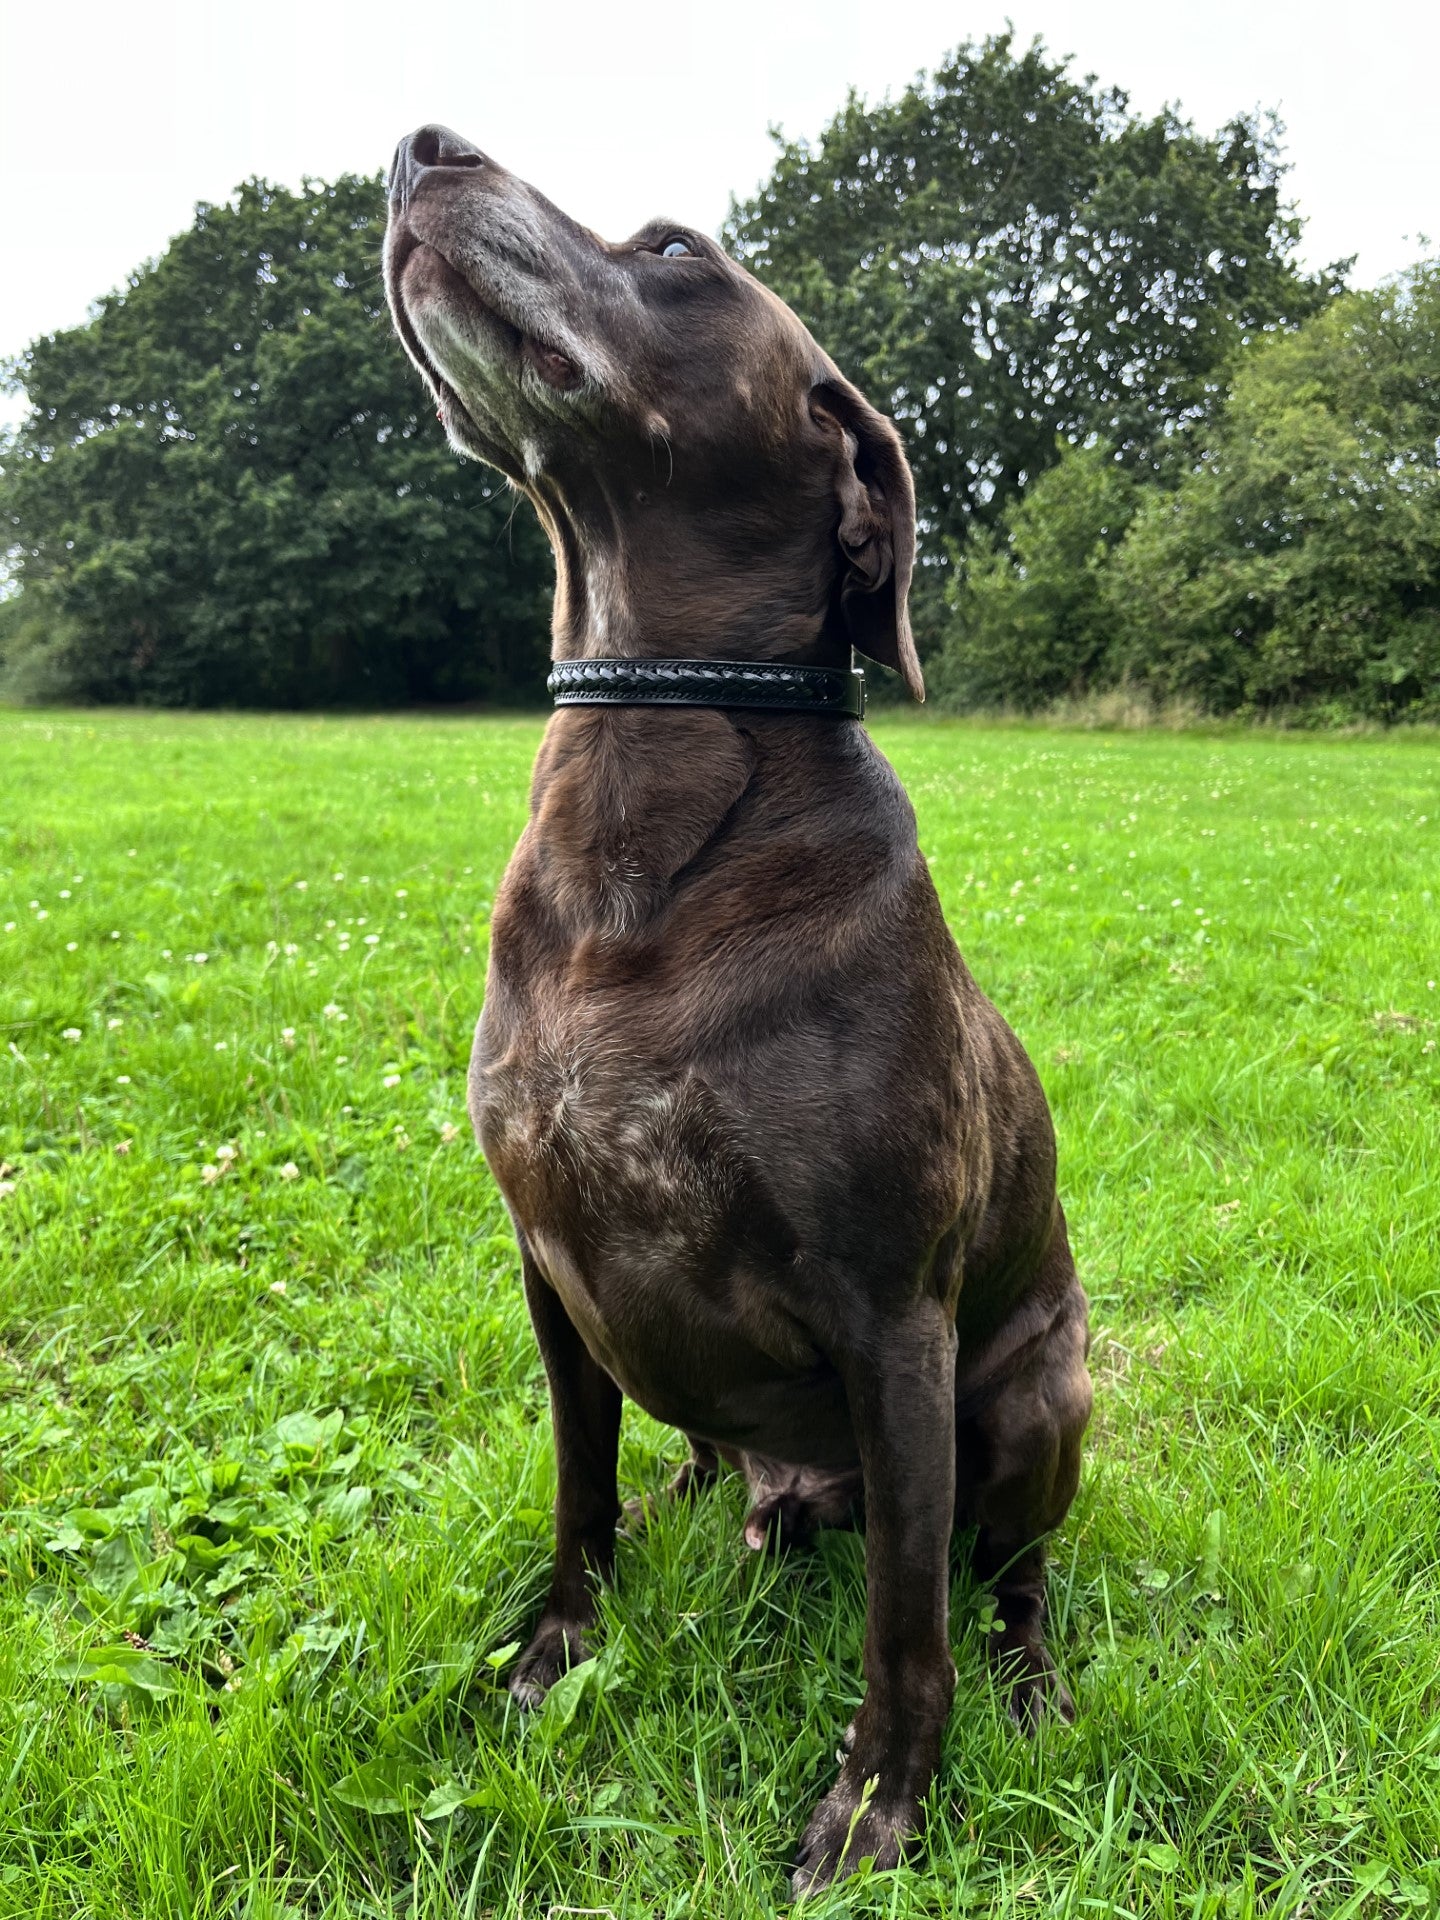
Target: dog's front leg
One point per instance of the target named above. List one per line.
(901, 1392)
(585, 1412)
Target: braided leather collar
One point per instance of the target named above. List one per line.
(836, 692)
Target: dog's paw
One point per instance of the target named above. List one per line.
(790, 1506)
(1034, 1691)
(779, 1524)
(853, 1824)
(557, 1646)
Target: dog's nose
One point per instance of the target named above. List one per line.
(428, 147)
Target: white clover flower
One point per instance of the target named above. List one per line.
(226, 1153)
(71, 1033)
(372, 939)
(330, 1010)
(209, 1175)
(42, 914)
(449, 1132)
(7, 1187)
(287, 1034)
(290, 947)
(401, 893)
(199, 958)
(122, 1079)
(337, 876)
(391, 1080)
(116, 934)
(301, 885)
(70, 946)
(64, 893)
(277, 1286)
(289, 1171)
(221, 1045)
(9, 926)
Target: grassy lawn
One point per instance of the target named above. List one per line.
(275, 1465)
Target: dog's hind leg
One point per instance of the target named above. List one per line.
(585, 1412)
(1017, 1468)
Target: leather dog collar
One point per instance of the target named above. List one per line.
(830, 692)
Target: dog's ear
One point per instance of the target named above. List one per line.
(876, 531)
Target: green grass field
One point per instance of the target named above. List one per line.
(275, 1466)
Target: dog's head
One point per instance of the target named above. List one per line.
(678, 429)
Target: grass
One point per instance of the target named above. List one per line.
(274, 1455)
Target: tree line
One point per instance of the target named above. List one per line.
(1150, 449)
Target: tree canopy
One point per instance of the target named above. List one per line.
(228, 489)
(1295, 562)
(1008, 259)
(1298, 562)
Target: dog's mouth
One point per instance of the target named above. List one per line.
(408, 251)
(411, 260)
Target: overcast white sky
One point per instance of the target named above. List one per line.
(116, 118)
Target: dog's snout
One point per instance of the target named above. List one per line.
(429, 147)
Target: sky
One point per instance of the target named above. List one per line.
(116, 119)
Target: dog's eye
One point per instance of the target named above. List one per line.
(674, 249)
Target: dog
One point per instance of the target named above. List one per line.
(779, 1172)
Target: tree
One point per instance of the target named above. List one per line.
(1031, 618)
(1298, 563)
(1008, 260)
(227, 490)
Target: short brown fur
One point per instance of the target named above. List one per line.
(779, 1171)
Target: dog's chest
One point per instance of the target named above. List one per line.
(649, 1216)
(582, 1135)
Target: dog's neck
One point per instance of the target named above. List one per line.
(643, 578)
(623, 800)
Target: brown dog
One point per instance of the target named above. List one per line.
(778, 1169)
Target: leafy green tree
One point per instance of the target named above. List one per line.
(227, 489)
(1031, 620)
(1298, 563)
(1008, 259)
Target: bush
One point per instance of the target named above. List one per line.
(1031, 621)
(1293, 567)
(1298, 563)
